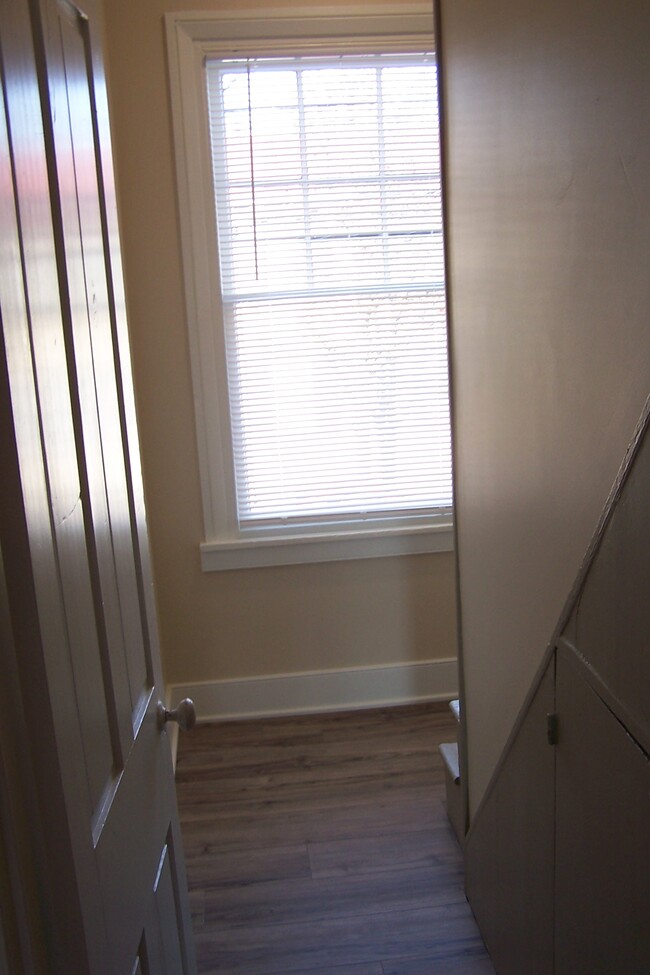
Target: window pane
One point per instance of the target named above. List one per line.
(330, 240)
(337, 411)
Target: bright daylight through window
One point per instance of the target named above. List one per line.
(330, 317)
(328, 204)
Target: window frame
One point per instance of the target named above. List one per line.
(191, 37)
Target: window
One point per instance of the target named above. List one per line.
(312, 226)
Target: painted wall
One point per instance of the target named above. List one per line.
(252, 622)
(548, 134)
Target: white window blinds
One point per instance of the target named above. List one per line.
(327, 190)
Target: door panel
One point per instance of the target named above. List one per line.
(77, 542)
(34, 489)
(509, 849)
(76, 141)
(611, 620)
(92, 379)
(160, 951)
(602, 838)
(165, 912)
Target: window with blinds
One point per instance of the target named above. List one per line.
(328, 204)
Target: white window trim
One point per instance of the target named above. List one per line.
(190, 38)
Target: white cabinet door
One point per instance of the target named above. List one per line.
(602, 865)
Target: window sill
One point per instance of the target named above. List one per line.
(256, 553)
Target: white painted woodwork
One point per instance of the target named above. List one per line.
(558, 854)
(191, 37)
(548, 205)
(602, 869)
(22, 881)
(510, 847)
(74, 543)
(611, 621)
(327, 690)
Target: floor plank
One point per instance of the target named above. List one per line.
(283, 902)
(319, 845)
(270, 826)
(372, 969)
(468, 964)
(233, 867)
(282, 948)
(366, 854)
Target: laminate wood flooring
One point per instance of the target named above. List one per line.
(319, 845)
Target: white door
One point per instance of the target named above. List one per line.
(73, 530)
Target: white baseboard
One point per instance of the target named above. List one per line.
(316, 691)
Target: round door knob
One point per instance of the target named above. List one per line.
(184, 715)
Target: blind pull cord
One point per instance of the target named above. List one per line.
(250, 143)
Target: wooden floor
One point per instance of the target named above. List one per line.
(319, 845)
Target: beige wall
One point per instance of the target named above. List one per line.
(549, 202)
(248, 622)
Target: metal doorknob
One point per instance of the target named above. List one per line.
(184, 715)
